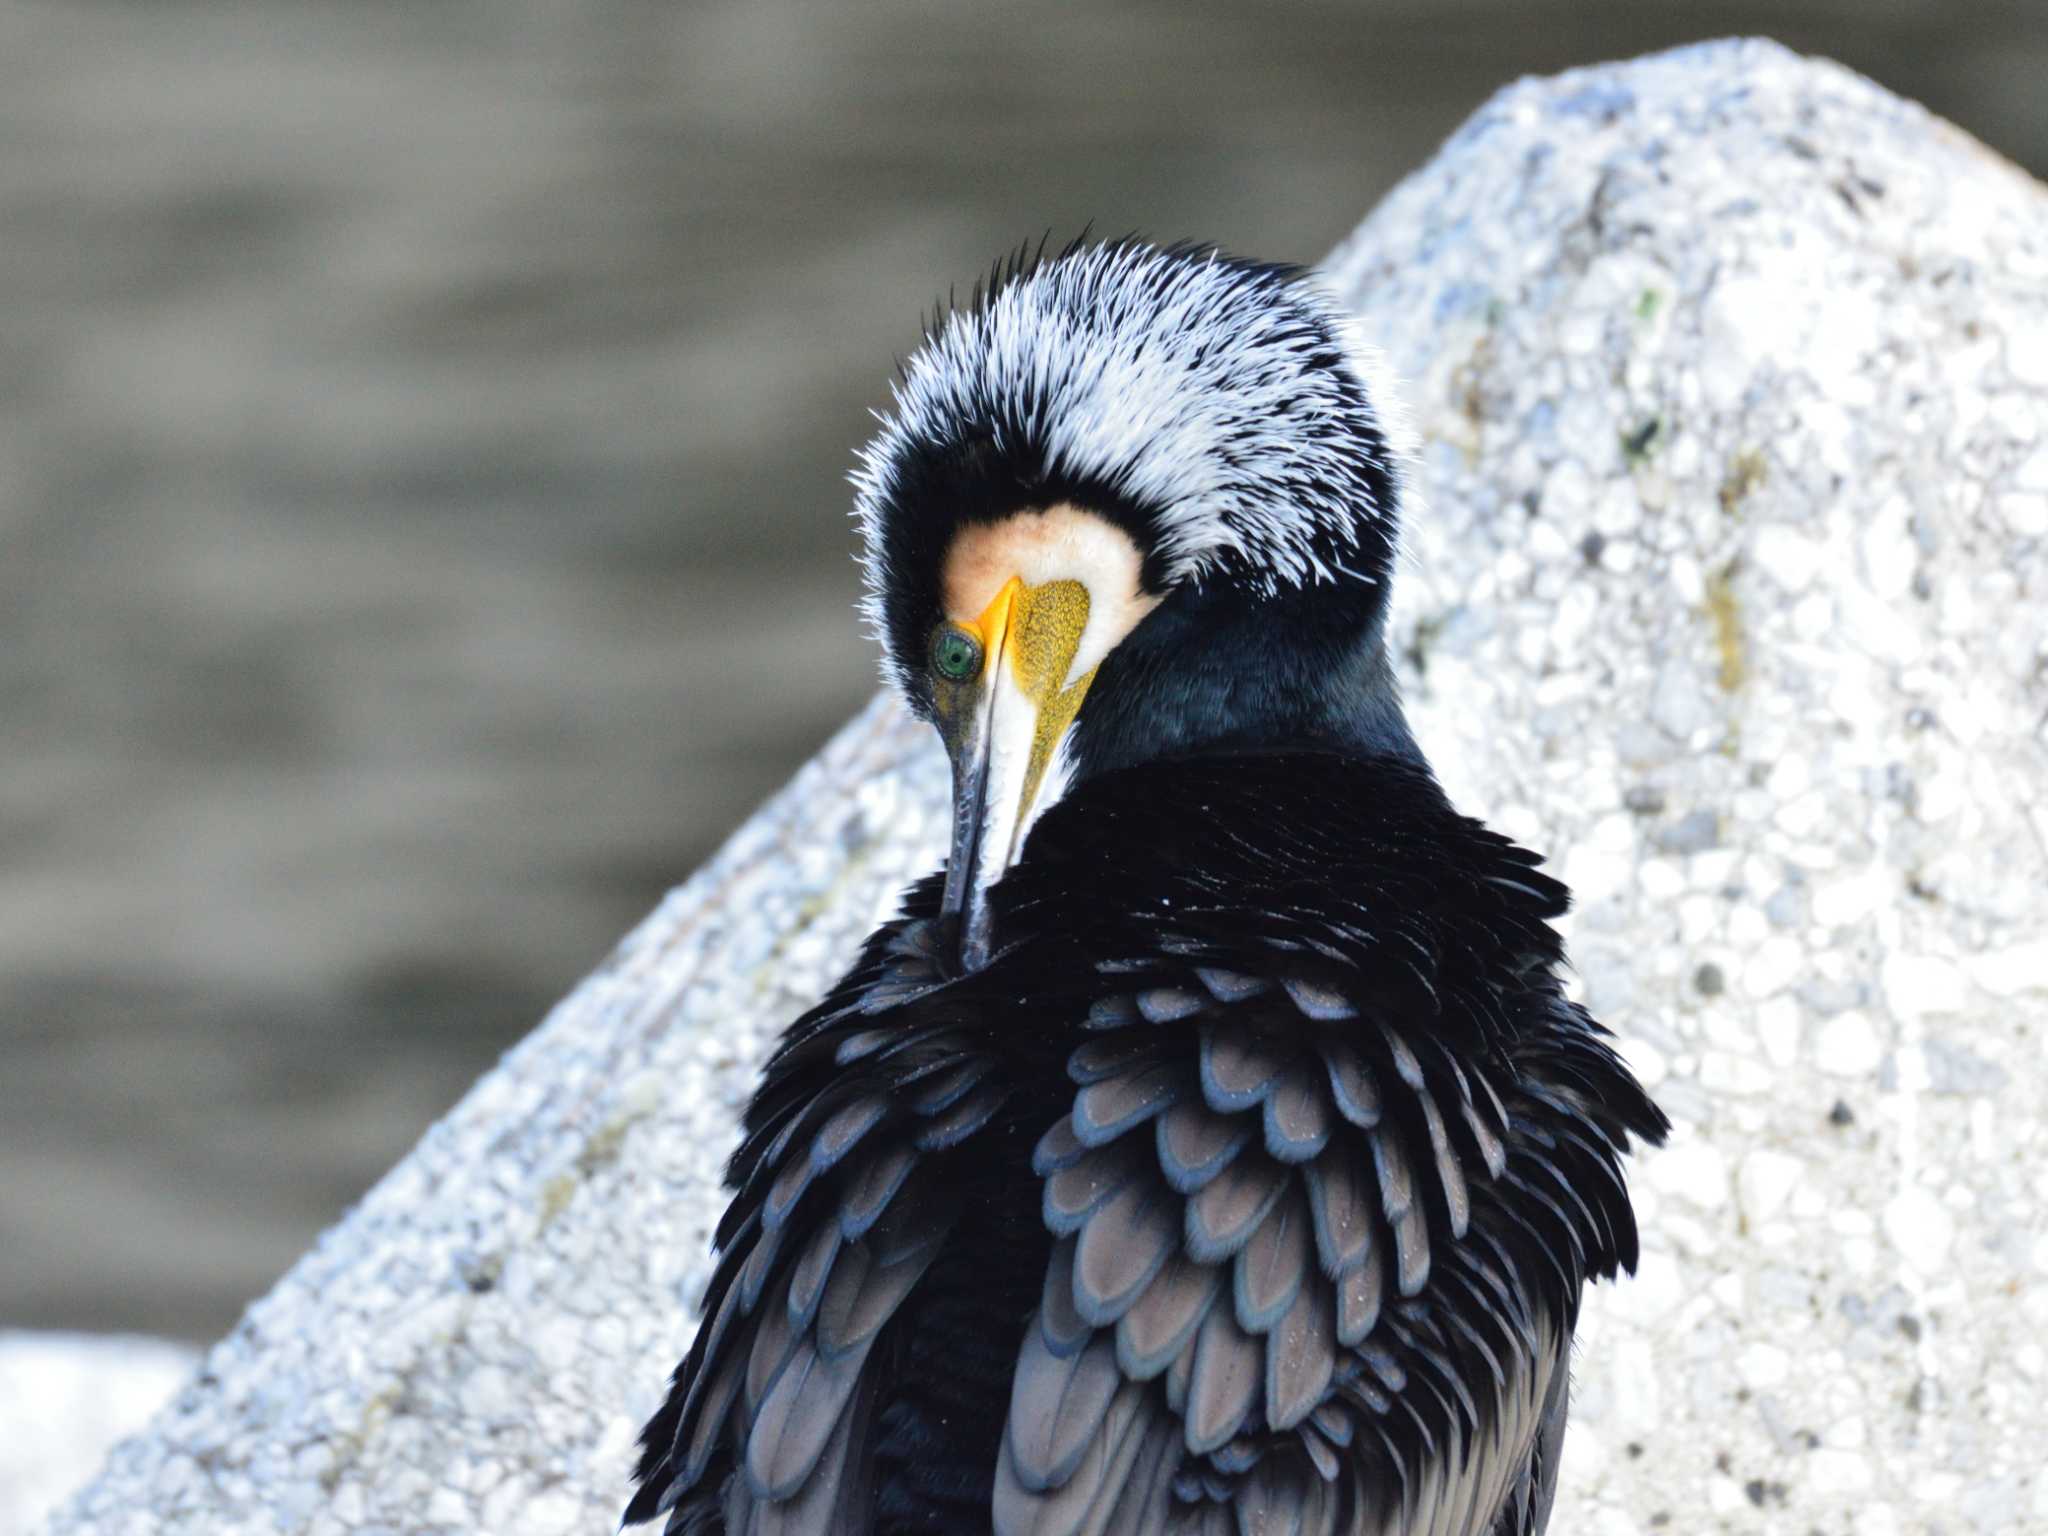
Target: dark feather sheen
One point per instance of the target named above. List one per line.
(1251, 1186)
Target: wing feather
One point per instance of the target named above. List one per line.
(838, 1217)
(1336, 1163)
(801, 1412)
(1224, 1377)
(1195, 1143)
(1126, 1242)
(1057, 1406)
(1226, 1211)
(1301, 1357)
(1344, 1183)
(1274, 1265)
(1161, 1322)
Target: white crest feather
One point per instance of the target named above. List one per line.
(1235, 403)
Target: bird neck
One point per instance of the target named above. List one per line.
(1222, 671)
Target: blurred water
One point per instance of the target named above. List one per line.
(422, 432)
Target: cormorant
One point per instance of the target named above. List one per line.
(1212, 1148)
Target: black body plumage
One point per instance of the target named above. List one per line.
(1249, 1186)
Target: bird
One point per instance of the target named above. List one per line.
(1211, 1147)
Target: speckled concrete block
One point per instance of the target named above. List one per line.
(1732, 372)
(1732, 376)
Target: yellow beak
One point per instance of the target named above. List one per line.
(1004, 731)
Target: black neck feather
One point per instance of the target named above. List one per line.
(1220, 669)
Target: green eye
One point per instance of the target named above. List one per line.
(956, 654)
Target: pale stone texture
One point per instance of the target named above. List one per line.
(1730, 374)
(1726, 367)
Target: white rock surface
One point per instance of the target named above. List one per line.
(1730, 369)
(65, 1398)
(1729, 372)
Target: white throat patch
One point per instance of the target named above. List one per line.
(1059, 543)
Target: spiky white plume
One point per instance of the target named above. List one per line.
(1233, 405)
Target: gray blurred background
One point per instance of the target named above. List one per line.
(422, 515)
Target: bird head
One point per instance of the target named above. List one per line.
(1132, 503)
